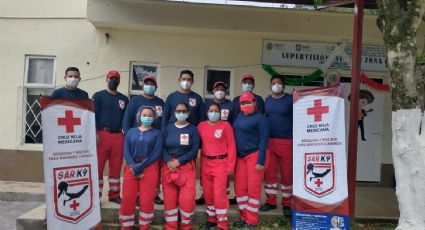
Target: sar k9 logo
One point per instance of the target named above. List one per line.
(73, 191)
(319, 173)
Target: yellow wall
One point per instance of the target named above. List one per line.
(60, 28)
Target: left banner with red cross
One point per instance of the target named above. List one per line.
(70, 164)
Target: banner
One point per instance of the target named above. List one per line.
(320, 195)
(70, 164)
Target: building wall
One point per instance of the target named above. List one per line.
(61, 28)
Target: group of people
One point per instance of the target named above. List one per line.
(248, 138)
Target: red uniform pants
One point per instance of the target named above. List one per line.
(145, 187)
(280, 161)
(110, 147)
(248, 187)
(179, 198)
(214, 182)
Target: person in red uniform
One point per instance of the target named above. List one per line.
(142, 149)
(252, 135)
(279, 113)
(182, 143)
(218, 157)
(109, 111)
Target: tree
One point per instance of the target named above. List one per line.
(399, 21)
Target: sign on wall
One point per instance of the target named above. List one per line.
(138, 72)
(70, 164)
(320, 193)
(315, 54)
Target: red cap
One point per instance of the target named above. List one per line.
(247, 76)
(219, 83)
(151, 78)
(247, 97)
(113, 73)
(177, 177)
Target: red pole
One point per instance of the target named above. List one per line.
(354, 105)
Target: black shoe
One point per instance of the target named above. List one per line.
(209, 225)
(200, 201)
(116, 200)
(158, 200)
(250, 225)
(267, 207)
(232, 201)
(287, 211)
(239, 224)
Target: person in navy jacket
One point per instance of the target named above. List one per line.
(279, 113)
(109, 110)
(248, 84)
(71, 90)
(251, 130)
(130, 119)
(182, 143)
(142, 148)
(186, 95)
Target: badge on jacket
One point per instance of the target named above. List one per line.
(224, 114)
(121, 103)
(192, 102)
(158, 110)
(184, 139)
(218, 133)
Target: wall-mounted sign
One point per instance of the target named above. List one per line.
(315, 54)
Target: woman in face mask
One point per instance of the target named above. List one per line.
(178, 173)
(142, 148)
(226, 105)
(217, 161)
(252, 135)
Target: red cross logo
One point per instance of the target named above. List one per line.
(74, 205)
(318, 110)
(318, 182)
(225, 112)
(69, 121)
(184, 136)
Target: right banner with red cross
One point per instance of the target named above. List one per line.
(320, 194)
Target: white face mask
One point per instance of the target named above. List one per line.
(277, 88)
(219, 94)
(72, 82)
(185, 85)
(246, 87)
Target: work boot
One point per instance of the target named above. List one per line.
(239, 224)
(267, 207)
(232, 201)
(158, 200)
(287, 211)
(116, 200)
(200, 201)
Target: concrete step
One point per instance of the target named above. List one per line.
(21, 191)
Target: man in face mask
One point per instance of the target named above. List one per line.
(247, 84)
(226, 105)
(71, 90)
(278, 112)
(147, 99)
(186, 95)
(109, 110)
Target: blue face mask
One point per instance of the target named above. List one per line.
(181, 116)
(213, 116)
(246, 87)
(146, 121)
(149, 89)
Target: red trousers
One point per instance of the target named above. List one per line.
(248, 187)
(110, 147)
(179, 198)
(145, 187)
(214, 182)
(280, 155)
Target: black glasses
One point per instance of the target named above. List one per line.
(181, 111)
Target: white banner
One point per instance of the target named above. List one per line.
(315, 54)
(320, 173)
(70, 164)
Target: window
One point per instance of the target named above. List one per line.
(138, 71)
(39, 80)
(213, 75)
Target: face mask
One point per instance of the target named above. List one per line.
(219, 94)
(72, 82)
(185, 85)
(249, 108)
(113, 83)
(149, 89)
(213, 116)
(181, 116)
(246, 87)
(146, 121)
(277, 88)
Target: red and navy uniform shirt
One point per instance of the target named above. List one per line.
(109, 109)
(180, 143)
(131, 120)
(279, 113)
(65, 93)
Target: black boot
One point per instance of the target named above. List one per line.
(200, 201)
(267, 207)
(158, 200)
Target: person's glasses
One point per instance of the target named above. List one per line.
(181, 111)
